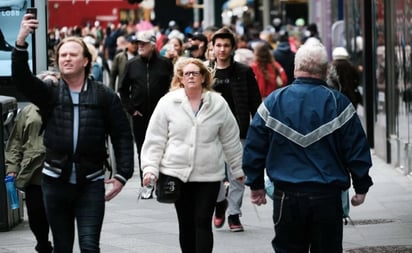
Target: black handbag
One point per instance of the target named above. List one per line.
(168, 188)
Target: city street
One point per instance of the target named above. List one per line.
(385, 220)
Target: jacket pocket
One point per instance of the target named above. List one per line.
(29, 165)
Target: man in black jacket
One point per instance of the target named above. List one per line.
(146, 79)
(237, 84)
(284, 55)
(77, 113)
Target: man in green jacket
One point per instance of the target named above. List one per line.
(120, 60)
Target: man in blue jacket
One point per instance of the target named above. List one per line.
(311, 142)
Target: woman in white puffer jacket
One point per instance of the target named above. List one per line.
(191, 134)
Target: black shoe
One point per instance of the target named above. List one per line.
(44, 248)
(234, 223)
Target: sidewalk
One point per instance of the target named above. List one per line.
(150, 227)
(385, 218)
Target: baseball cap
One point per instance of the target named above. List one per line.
(340, 53)
(132, 38)
(146, 36)
(198, 36)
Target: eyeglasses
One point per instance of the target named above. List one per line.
(191, 73)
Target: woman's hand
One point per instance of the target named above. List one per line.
(149, 179)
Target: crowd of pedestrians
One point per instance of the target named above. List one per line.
(187, 100)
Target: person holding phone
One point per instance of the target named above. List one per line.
(78, 114)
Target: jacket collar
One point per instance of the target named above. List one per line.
(309, 80)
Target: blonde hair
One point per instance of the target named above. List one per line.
(178, 73)
(93, 51)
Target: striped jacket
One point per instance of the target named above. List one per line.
(307, 134)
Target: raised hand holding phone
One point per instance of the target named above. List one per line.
(32, 18)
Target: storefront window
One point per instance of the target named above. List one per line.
(403, 87)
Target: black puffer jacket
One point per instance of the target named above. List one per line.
(100, 115)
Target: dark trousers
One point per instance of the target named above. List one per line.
(139, 132)
(66, 203)
(37, 217)
(194, 212)
(307, 221)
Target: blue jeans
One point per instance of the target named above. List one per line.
(66, 203)
(307, 221)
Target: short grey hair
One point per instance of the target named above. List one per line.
(312, 58)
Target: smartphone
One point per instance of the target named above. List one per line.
(32, 10)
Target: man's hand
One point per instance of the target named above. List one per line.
(258, 197)
(117, 186)
(358, 199)
(27, 26)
